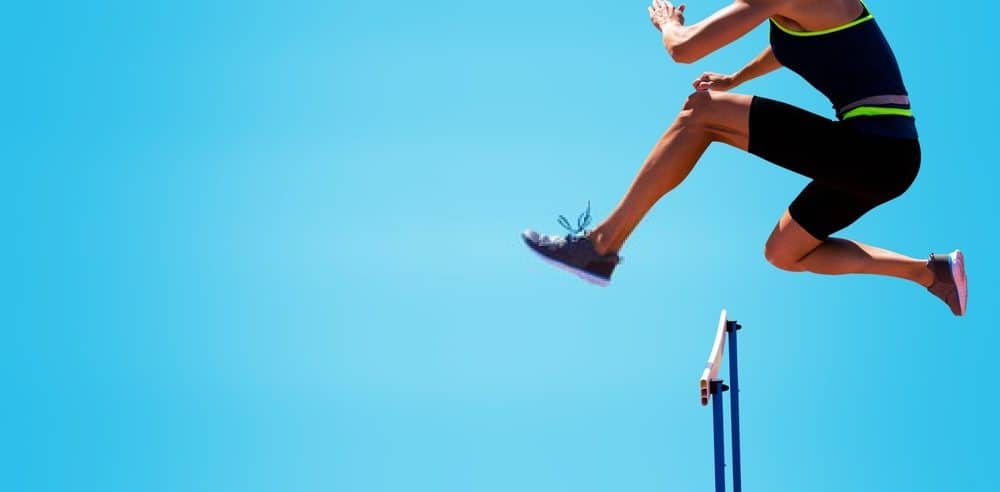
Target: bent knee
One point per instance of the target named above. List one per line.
(696, 110)
(698, 100)
(782, 258)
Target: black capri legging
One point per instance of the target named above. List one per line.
(852, 172)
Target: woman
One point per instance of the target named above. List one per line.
(867, 157)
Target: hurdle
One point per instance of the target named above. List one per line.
(711, 388)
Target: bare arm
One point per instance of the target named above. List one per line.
(764, 64)
(687, 44)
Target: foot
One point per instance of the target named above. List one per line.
(949, 280)
(575, 254)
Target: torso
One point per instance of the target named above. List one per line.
(844, 54)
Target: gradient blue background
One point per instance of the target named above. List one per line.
(274, 246)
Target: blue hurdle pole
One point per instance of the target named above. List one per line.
(734, 403)
(718, 427)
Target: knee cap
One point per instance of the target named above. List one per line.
(781, 260)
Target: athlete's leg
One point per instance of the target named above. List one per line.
(705, 118)
(852, 174)
(791, 247)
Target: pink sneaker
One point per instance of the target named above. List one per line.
(949, 280)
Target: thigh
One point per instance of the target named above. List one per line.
(831, 153)
(822, 210)
(725, 115)
(789, 241)
(801, 141)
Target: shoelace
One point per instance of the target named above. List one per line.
(582, 221)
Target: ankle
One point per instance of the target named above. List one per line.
(924, 275)
(601, 242)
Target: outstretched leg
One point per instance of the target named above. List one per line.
(790, 247)
(705, 118)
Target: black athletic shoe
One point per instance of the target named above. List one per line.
(574, 252)
(949, 280)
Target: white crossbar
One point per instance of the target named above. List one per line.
(711, 372)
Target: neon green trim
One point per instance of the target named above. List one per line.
(832, 29)
(876, 111)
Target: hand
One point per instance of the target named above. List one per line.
(662, 12)
(714, 82)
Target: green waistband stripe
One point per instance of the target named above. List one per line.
(876, 111)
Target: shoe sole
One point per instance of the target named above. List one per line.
(957, 262)
(589, 277)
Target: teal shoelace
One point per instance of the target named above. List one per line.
(582, 221)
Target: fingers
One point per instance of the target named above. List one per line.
(700, 80)
(664, 5)
(658, 8)
(663, 11)
(712, 81)
(671, 11)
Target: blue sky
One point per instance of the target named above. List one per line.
(263, 246)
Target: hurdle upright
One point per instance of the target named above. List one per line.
(711, 388)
